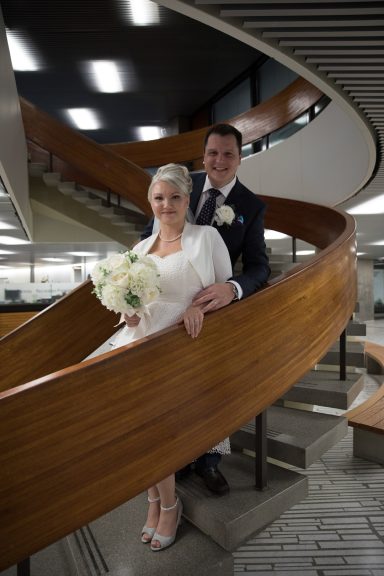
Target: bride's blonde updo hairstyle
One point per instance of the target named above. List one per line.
(175, 175)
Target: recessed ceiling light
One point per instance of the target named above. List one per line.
(149, 132)
(106, 76)
(6, 252)
(372, 206)
(144, 12)
(12, 241)
(378, 243)
(83, 253)
(22, 53)
(54, 259)
(84, 118)
(6, 226)
(305, 252)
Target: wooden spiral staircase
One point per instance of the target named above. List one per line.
(75, 437)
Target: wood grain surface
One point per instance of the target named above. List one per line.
(76, 443)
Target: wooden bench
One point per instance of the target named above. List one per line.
(367, 419)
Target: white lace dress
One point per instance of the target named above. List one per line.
(179, 283)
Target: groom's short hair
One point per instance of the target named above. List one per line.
(225, 130)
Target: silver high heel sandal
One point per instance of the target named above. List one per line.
(166, 541)
(146, 531)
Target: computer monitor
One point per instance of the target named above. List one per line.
(12, 295)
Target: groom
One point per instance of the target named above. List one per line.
(243, 234)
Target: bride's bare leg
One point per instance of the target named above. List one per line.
(153, 514)
(167, 522)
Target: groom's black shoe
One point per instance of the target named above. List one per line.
(213, 479)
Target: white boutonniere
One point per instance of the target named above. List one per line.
(224, 215)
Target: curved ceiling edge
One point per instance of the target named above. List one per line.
(209, 16)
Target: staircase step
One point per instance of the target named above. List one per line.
(118, 220)
(51, 178)
(129, 226)
(354, 355)
(84, 198)
(37, 168)
(355, 328)
(233, 518)
(67, 188)
(97, 205)
(326, 389)
(297, 437)
(109, 213)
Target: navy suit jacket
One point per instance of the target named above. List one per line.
(244, 237)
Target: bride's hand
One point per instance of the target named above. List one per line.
(193, 321)
(132, 321)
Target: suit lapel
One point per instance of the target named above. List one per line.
(198, 184)
(234, 194)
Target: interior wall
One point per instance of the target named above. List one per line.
(314, 164)
(13, 149)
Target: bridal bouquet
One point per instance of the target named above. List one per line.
(125, 283)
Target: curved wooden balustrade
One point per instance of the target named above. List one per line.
(256, 123)
(78, 442)
(108, 168)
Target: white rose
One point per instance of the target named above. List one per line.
(224, 215)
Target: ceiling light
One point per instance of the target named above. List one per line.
(373, 206)
(83, 253)
(6, 252)
(12, 241)
(6, 226)
(149, 132)
(144, 12)
(21, 53)
(106, 76)
(274, 235)
(54, 259)
(378, 243)
(84, 118)
(304, 252)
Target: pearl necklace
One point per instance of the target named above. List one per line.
(173, 239)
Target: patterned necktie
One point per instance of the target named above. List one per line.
(208, 208)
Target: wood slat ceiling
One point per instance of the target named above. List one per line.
(341, 42)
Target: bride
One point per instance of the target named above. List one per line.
(189, 258)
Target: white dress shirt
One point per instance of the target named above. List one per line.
(225, 190)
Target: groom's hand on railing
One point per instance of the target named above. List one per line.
(214, 297)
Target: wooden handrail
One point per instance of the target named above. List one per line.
(76, 437)
(76, 443)
(107, 167)
(254, 124)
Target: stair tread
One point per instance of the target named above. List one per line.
(298, 437)
(354, 354)
(233, 518)
(326, 389)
